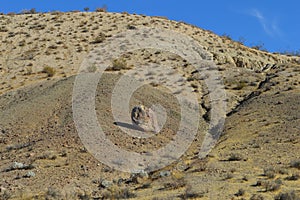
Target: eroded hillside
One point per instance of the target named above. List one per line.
(42, 156)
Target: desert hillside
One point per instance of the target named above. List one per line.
(43, 157)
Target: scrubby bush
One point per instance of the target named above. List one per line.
(259, 46)
(269, 172)
(256, 197)
(99, 39)
(31, 11)
(53, 193)
(291, 53)
(118, 193)
(118, 64)
(50, 71)
(272, 185)
(102, 9)
(239, 193)
(293, 177)
(295, 164)
(291, 195)
(235, 157)
(190, 194)
(226, 36)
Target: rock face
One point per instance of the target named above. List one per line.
(145, 118)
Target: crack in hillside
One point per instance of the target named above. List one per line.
(206, 115)
(260, 89)
(257, 92)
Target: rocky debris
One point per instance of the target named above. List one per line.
(137, 177)
(19, 166)
(106, 183)
(165, 173)
(29, 174)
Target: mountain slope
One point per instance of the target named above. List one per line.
(42, 155)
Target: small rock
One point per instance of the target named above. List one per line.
(106, 183)
(137, 177)
(106, 169)
(182, 166)
(143, 174)
(165, 173)
(140, 173)
(30, 174)
(83, 150)
(17, 165)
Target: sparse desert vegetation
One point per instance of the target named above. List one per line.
(42, 155)
(50, 71)
(119, 64)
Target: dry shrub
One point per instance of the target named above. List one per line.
(118, 65)
(50, 71)
(102, 9)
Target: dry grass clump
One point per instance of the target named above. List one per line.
(272, 185)
(99, 39)
(269, 172)
(92, 68)
(102, 9)
(240, 192)
(235, 157)
(118, 193)
(269, 185)
(53, 193)
(226, 37)
(190, 194)
(5, 195)
(240, 85)
(50, 71)
(31, 11)
(293, 177)
(236, 85)
(295, 164)
(290, 195)
(256, 197)
(118, 65)
(174, 184)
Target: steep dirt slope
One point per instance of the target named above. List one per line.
(37, 129)
(259, 143)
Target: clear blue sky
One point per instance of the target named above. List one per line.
(275, 24)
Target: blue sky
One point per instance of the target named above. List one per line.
(273, 24)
